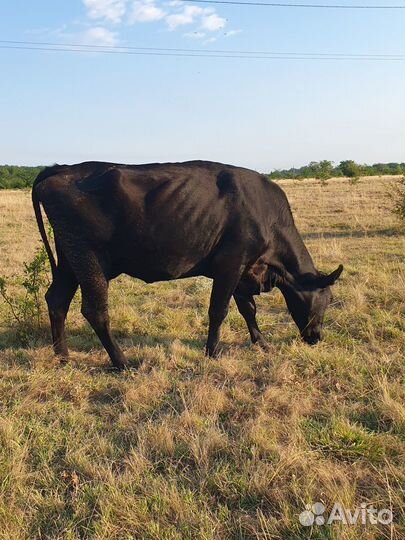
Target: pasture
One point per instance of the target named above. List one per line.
(186, 447)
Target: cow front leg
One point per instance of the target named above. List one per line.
(221, 294)
(95, 310)
(247, 308)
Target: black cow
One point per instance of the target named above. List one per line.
(160, 222)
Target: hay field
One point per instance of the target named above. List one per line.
(185, 447)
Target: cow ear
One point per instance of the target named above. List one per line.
(329, 279)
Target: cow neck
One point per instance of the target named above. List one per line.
(291, 258)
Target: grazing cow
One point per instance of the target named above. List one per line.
(160, 222)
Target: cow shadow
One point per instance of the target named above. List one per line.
(350, 233)
(85, 340)
(15, 349)
(82, 341)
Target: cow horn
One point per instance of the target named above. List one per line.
(330, 279)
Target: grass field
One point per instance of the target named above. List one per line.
(186, 447)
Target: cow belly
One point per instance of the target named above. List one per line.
(156, 262)
(167, 247)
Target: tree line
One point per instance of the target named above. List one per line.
(15, 177)
(326, 169)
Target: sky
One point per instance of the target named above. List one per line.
(67, 107)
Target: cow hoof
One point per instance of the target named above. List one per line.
(119, 367)
(264, 346)
(63, 361)
(61, 365)
(213, 353)
(115, 369)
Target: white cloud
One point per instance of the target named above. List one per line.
(110, 10)
(99, 36)
(186, 16)
(174, 13)
(231, 33)
(212, 22)
(146, 11)
(208, 19)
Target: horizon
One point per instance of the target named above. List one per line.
(270, 171)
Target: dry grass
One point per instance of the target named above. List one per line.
(185, 447)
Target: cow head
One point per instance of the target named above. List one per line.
(307, 299)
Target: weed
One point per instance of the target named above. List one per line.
(25, 306)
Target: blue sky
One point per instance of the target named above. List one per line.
(67, 107)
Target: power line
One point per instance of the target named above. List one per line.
(209, 52)
(200, 55)
(282, 5)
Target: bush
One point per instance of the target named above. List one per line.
(25, 308)
(399, 200)
(324, 170)
(349, 168)
(13, 177)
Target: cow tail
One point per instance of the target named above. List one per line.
(40, 222)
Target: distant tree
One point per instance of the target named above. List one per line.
(324, 170)
(395, 168)
(350, 168)
(13, 177)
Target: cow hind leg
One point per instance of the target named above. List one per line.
(88, 269)
(59, 297)
(95, 310)
(247, 308)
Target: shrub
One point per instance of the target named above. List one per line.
(13, 177)
(350, 168)
(324, 170)
(399, 200)
(24, 309)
